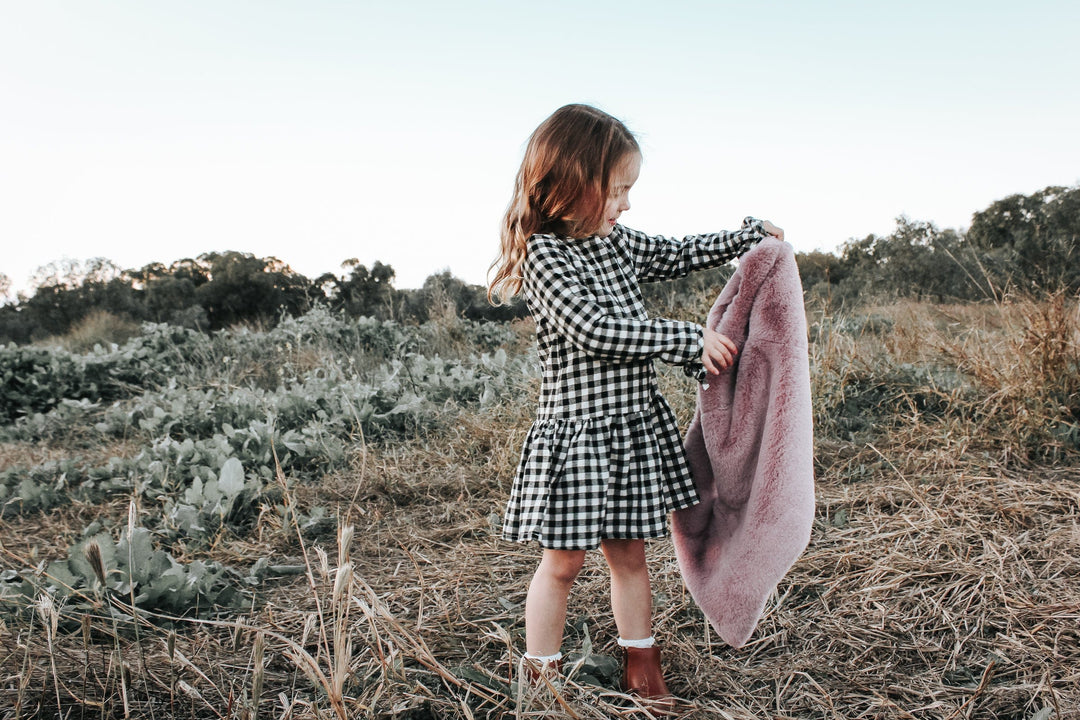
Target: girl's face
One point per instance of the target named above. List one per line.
(618, 199)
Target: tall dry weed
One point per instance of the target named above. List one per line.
(1027, 374)
(835, 366)
(98, 328)
(1005, 375)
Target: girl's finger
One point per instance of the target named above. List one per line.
(708, 363)
(721, 357)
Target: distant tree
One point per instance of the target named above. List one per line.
(819, 270)
(53, 308)
(444, 292)
(141, 277)
(69, 274)
(362, 291)
(918, 259)
(241, 287)
(1031, 241)
(168, 295)
(15, 324)
(5, 289)
(954, 270)
(438, 294)
(195, 270)
(64, 273)
(68, 290)
(856, 271)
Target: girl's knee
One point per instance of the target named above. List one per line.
(562, 565)
(625, 555)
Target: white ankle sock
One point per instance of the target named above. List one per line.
(545, 658)
(645, 643)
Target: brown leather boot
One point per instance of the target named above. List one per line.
(642, 675)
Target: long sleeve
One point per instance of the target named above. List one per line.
(661, 258)
(559, 297)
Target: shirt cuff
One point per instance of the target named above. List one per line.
(696, 371)
(694, 368)
(756, 232)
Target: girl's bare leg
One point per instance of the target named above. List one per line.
(631, 593)
(545, 605)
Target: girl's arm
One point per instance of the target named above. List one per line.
(659, 258)
(557, 295)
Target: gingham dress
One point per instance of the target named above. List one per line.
(604, 458)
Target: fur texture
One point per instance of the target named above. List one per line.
(750, 448)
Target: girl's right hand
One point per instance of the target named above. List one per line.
(772, 229)
(719, 352)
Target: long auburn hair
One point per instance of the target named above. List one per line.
(560, 187)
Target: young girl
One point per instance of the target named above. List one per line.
(603, 463)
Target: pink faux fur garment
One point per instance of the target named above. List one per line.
(750, 448)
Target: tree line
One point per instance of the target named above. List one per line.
(1025, 243)
(222, 289)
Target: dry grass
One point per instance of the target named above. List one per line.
(99, 327)
(942, 579)
(12, 454)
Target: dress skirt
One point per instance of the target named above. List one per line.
(583, 480)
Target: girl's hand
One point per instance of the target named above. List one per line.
(719, 352)
(772, 229)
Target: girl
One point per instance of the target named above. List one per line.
(603, 463)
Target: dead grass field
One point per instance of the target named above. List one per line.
(942, 579)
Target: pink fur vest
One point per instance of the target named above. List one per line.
(750, 448)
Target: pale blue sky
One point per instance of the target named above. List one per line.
(319, 131)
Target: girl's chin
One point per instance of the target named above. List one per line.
(606, 228)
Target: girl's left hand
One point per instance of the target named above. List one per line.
(718, 352)
(772, 229)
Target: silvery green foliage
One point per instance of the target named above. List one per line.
(208, 442)
(190, 433)
(35, 380)
(135, 569)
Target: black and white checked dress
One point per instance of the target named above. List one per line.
(604, 458)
